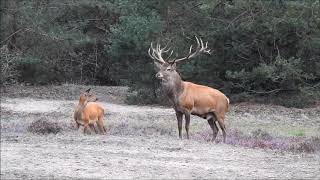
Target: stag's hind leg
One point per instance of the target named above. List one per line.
(223, 127)
(213, 125)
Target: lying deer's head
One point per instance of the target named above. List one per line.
(86, 97)
(166, 66)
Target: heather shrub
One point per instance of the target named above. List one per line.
(43, 127)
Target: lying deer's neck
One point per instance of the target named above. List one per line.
(173, 88)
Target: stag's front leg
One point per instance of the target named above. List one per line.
(179, 118)
(187, 117)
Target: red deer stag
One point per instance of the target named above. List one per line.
(88, 112)
(189, 98)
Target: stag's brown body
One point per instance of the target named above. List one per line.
(189, 98)
(205, 102)
(88, 113)
(201, 100)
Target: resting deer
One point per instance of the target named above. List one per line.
(88, 112)
(189, 98)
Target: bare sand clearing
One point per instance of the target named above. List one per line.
(142, 143)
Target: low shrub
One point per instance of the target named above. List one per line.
(300, 100)
(43, 127)
(260, 134)
(263, 140)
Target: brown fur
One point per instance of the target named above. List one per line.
(87, 113)
(193, 99)
(204, 101)
(189, 98)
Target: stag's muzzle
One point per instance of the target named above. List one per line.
(159, 75)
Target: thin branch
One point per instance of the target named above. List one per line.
(11, 35)
(236, 18)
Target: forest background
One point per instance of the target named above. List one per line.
(263, 50)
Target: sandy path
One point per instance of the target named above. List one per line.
(72, 155)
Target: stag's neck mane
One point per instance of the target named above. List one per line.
(174, 88)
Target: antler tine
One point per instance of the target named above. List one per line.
(190, 50)
(156, 53)
(166, 50)
(199, 49)
(207, 51)
(198, 43)
(150, 53)
(169, 56)
(151, 45)
(201, 43)
(167, 46)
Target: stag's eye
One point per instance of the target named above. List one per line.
(169, 69)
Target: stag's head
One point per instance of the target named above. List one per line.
(166, 66)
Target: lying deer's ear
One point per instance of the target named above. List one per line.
(88, 90)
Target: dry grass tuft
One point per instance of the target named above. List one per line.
(43, 126)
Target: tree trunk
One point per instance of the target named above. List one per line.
(13, 9)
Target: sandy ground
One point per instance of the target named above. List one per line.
(142, 143)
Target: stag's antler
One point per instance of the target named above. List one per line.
(156, 53)
(200, 49)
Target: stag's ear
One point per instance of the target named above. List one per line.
(157, 65)
(88, 90)
(173, 65)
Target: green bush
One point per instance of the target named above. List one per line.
(9, 63)
(296, 100)
(280, 75)
(142, 96)
(261, 49)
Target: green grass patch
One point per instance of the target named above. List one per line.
(298, 132)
